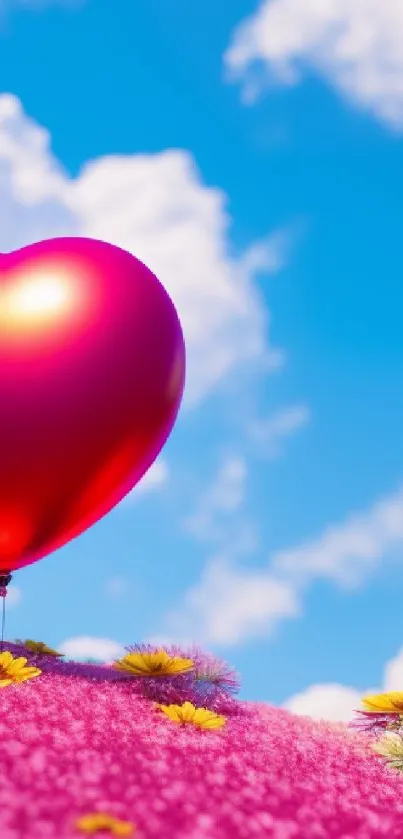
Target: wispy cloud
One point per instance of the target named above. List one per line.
(348, 552)
(270, 434)
(230, 604)
(223, 498)
(269, 255)
(220, 519)
(356, 45)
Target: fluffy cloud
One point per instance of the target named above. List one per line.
(336, 702)
(157, 207)
(356, 45)
(325, 702)
(228, 605)
(103, 649)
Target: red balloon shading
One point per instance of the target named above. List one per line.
(92, 366)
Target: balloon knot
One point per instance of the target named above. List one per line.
(5, 579)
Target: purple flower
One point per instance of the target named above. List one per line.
(372, 723)
(211, 684)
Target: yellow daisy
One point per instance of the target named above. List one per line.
(14, 670)
(189, 714)
(40, 648)
(153, 664)
(384, 703)
(102, 822)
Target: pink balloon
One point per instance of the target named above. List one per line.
(92, 366)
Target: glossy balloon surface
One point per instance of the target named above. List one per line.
(92, 366)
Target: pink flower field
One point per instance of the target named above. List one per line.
(77, 742)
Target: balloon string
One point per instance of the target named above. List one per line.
(3, 624)
(5, 579)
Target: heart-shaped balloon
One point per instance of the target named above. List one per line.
(92, 366)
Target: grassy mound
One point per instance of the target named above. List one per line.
(81, 740)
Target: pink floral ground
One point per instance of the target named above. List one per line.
(70, 746)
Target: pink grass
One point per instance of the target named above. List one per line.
(70, 746)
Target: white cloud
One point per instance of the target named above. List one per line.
(337, 702)
(348, 552)
(85, 646)
(157, 207)
(325, 702)
(230, 605)
(219, 517)
(269, 255)
(270, 434)
(223, 498)
(356, 45)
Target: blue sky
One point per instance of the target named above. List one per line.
(271, 529)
